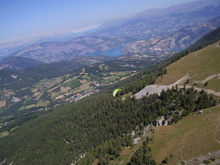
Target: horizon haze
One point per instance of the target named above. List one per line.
(27, 19)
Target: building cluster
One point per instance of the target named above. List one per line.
(82, 95)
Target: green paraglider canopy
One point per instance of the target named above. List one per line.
(115, 92)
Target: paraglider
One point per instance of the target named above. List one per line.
(115, 92)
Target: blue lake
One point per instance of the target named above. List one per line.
(112, 53)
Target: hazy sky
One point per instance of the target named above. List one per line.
(25, 18)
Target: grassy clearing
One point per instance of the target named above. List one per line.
(22, 108)
(13, 129)
(26, 100)
(39, 104)
(95, 77)
(128, 152)
(83, 87)
(199, 65)
(58, 95)
(54, 82)
(83, 81)
(103, 67)
(54, 95)
(34, 90)
(38, 85)
(72, 83)
(5, 133)
(42, 103)
(7, 117)
(109, 79)
(37, 95)
(2, 103)
(65, 89)
(95, 162)
(69, 80)
(30, 106)
(85, 76)
(212, 84)
(126, 95)
(192, 136)
(114, 75)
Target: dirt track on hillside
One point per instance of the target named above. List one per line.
(209, 91)
(211, 77)
(150, 89)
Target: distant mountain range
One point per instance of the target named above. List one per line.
(173, 41)
(9, 48)
(156, 22)
(57, 51)
(155, 31)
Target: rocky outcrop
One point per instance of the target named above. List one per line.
(161, 121)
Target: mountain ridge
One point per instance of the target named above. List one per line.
(57, 51)
(8, 48)
(180, 39)
(149, 23)
(17, 63)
